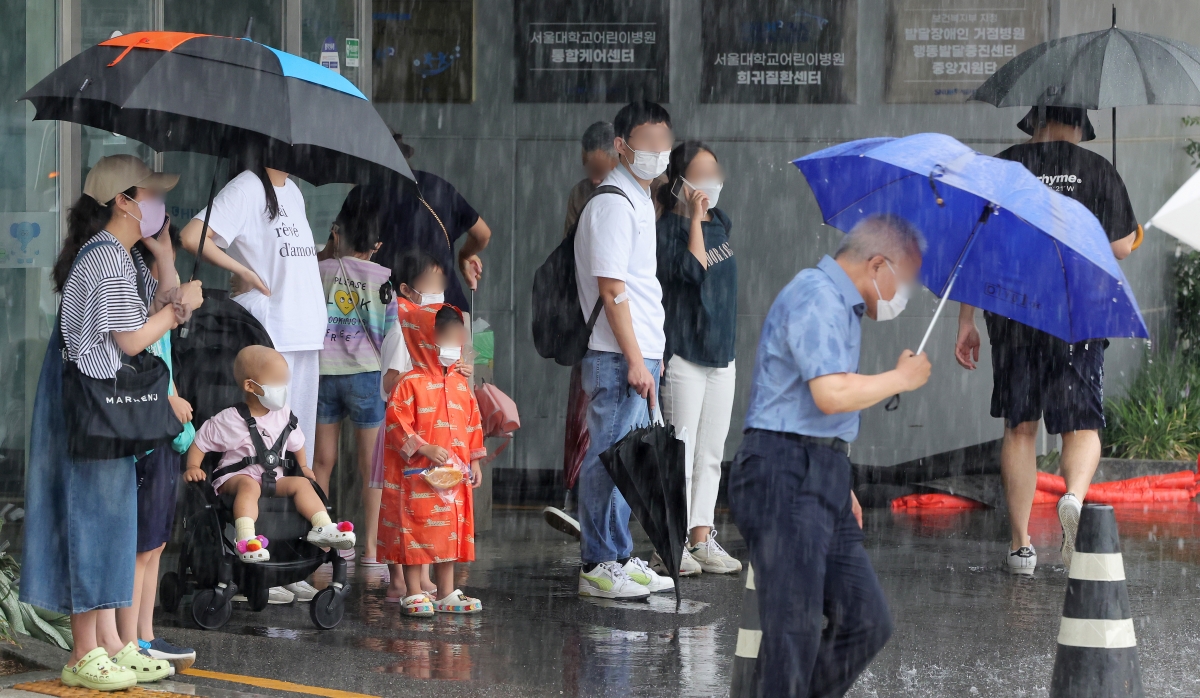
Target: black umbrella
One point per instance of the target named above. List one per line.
(1098, 70)
(227, 97)
(647, 466)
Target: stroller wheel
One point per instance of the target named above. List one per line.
(207, 617)
(259, 596)
(169, 592)
(326, 608)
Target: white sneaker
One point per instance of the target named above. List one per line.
(1069, 509)
(608, 580)
(303, 590)
(559, 520)
(713, 559)
(1023, 560)
(640, 572)
(276, 596)
(688, 567)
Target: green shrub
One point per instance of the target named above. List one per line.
(1158, 418)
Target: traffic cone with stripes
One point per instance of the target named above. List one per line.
(745, 658)
(1097, 650)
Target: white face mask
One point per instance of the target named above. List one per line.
(648, 164)
(448, 356)
(889, 310)
(432, 298)
(274, 397)
(711, 188)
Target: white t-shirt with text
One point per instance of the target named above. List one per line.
(618, 241)
(281, 251)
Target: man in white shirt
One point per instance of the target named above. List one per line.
(615, 262)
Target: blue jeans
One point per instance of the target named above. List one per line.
(613, 411)
(791, 502)
(355, 395)
(80, 516)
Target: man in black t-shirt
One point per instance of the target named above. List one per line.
(1036, 375)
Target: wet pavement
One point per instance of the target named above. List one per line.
(963, 626)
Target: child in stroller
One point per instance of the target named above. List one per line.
(248, 469)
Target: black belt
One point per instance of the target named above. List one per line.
(840, 445)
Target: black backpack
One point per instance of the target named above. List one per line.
(560, 331)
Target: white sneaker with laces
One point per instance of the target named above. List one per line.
(640, 572)
(713, 559)
(303, 590)
(1023, 560)
(1069, 509)
(688, 567)
(608, 580)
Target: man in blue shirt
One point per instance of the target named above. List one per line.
(790, 486)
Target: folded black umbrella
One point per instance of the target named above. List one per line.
(647, 466)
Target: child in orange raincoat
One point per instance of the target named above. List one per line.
(432, 419)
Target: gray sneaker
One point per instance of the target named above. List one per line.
(1069, 509)
(713, 559)
(303, 590)
(688, 567)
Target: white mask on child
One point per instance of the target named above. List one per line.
(274, 397)
(432, 298)
(448, 356)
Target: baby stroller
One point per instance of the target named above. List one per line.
(209, 562)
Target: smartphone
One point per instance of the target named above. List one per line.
(677, 190)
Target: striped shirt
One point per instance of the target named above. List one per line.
(99, 298)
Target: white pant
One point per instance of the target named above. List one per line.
(700, 399)
(302, 393)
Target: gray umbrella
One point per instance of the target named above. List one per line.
(1098, 70)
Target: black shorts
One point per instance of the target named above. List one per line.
(157, 475)
(1063, 383)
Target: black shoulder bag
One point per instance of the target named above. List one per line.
(122, 416)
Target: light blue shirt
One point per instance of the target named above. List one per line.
(814, 329)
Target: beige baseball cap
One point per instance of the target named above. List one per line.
(116, 173)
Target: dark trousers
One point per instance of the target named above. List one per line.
(791, 502)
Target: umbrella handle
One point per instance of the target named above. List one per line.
(212, 194)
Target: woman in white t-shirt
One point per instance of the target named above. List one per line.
(259, 231)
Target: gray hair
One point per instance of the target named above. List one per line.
(599, 136)
(888, 235)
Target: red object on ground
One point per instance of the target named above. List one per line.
(934, 501)
(1170, 487)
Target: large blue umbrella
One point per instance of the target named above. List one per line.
(999, 239)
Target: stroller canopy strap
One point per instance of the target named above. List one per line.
(268, 458)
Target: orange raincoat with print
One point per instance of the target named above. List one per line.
(429, 405)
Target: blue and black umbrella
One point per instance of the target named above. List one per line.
(227, 97)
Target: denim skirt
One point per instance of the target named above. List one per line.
(80, 516)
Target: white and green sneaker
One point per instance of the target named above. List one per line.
(640, 572)
(608, 580)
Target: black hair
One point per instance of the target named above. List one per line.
(358, 220)
(405, 149)
(268, 189)
(84, 221)
(599, 136)
(681, 159)
(446, 315)
(412, 265)
(635, 114)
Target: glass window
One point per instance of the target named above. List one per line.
(28, 226)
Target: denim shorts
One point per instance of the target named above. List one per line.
(355, 395)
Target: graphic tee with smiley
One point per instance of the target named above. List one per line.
(351, 300)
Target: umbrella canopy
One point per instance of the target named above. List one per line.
(647, 466)
(1180, 216)
(1016, 247)
(221, 96)
(1098, 70)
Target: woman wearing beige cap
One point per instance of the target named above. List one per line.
(81, 515)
